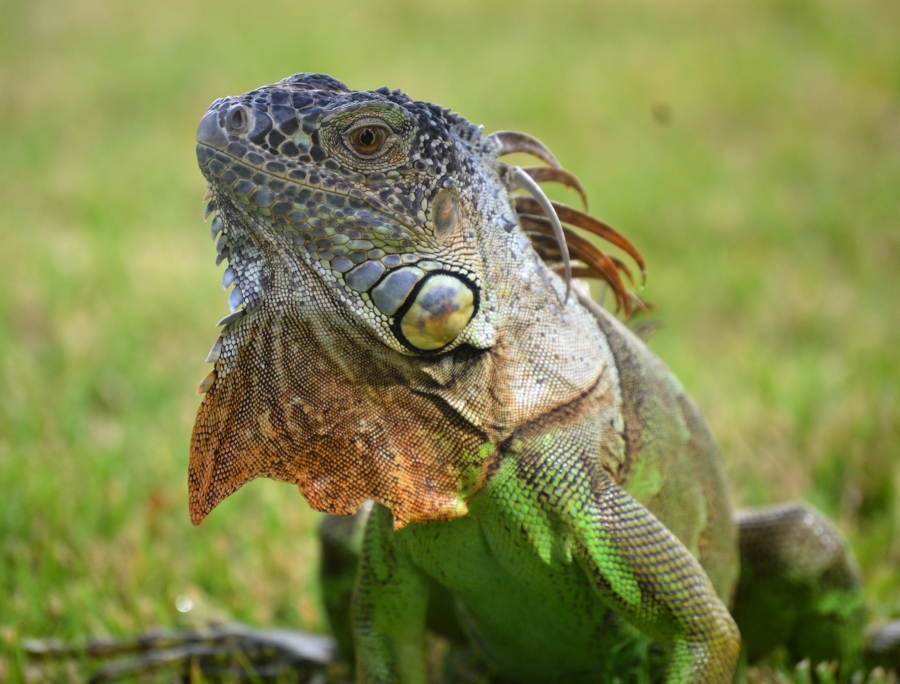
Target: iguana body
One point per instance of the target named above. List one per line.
(397, 338)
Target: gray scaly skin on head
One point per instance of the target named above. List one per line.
(395, 336)
(357, 218)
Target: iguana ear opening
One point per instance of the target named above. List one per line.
(445, 212)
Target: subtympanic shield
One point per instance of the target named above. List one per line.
(442, 307)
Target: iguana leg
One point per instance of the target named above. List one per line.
(639, 568)
(799, 586)
(389, 608)
(340, 539)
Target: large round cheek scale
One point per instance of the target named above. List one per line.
(443, 306)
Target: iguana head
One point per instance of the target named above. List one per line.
(382, 280)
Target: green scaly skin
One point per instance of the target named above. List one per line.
(540, 478)
(550, 546)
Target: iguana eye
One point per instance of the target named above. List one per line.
(367, 140)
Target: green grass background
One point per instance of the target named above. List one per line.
(751, 150)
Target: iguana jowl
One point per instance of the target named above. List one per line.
(401, 333)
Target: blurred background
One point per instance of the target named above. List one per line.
(750, 149)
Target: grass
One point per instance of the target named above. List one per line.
(750, 149)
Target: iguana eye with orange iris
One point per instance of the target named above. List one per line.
(368, 139)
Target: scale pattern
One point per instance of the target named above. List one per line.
(395, 336)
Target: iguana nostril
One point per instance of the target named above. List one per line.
(443, 306)
(236, 119)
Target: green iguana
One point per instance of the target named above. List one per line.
(404, 330)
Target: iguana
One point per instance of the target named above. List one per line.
(405, 330)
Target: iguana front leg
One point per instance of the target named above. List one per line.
(638, 567)
(389, 608)
(642, 569)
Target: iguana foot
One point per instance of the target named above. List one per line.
(224, 653)
(800, 588)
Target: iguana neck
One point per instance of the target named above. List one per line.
(544, 354)
(416, 434)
